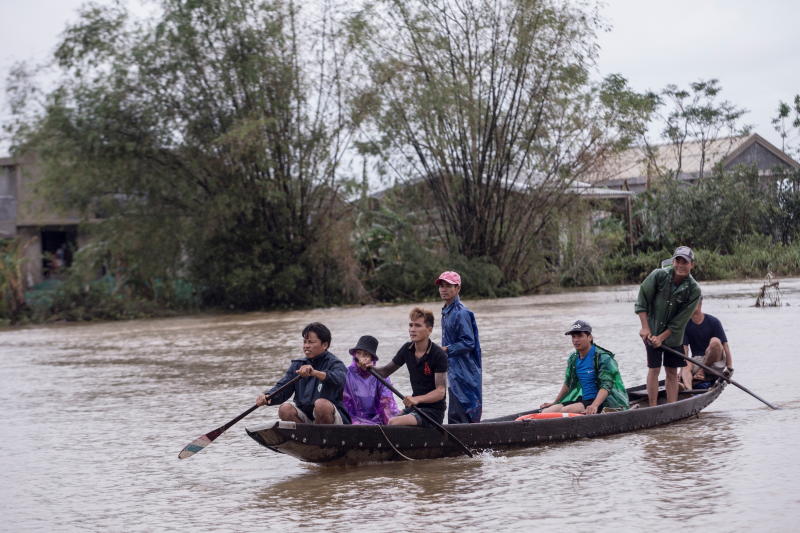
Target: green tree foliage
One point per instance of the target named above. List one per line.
(697, 115)
(714, 213)
(491, 105)
(787, 125)
(12, 296)
(209, 143)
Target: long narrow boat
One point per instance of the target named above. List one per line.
(354, 444)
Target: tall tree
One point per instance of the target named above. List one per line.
(787, 124)
(490, 103)
(216, 131)
(696, 115)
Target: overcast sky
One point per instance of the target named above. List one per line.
(753, 48)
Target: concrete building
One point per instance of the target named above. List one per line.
(49, 236)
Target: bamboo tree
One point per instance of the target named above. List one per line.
(489, 103)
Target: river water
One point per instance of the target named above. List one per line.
(94, 415)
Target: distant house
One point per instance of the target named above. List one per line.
(50, 237)
(634, 170)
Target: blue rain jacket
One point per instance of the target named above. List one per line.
(460, 335)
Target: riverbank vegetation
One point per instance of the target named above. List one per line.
(228, 156)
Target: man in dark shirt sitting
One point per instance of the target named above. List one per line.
(709, 345)
(427, 370)
(317, 397)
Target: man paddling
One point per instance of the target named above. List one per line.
(427, 368)
(318, 396)
(592, 381)
(667, 298)
(709, 344)
(463, 347)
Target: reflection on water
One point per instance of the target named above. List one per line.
(94, 416)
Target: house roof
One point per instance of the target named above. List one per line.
(582, 188)
(633, 165)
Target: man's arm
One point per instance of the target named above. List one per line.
(564, 389)
(602, 394)
(464, 337)
(336, 374)
(728, 356)
(440, 380)
(644, 332)
(266, 399)
(387, 369)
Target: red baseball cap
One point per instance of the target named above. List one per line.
(450, 277)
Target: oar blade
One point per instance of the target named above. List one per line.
(195, 446)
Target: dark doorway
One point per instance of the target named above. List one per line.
(58, 245)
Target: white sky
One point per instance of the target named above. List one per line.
(753, 48)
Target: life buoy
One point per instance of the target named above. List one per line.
(543, 416)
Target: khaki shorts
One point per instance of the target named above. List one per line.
(718, 365)
(337, 419)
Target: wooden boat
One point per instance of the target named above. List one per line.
(352, 444)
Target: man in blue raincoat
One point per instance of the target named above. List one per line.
(461, 343)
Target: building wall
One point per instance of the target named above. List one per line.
(8, 199)
(26, 215)
(758, 156)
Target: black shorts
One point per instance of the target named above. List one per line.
(654, 358)
(422, 421)
(586, 403)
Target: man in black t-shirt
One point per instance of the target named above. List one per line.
(427, 370)
(709, 345)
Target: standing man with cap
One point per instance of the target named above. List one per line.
(667, 298)
(461, 343)
(592, 380)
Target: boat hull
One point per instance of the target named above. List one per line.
(356, 444)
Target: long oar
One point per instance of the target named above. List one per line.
(719, 374)
(201, 442)
(420, 411)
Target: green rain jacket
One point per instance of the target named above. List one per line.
(667, 306)
(608, 376)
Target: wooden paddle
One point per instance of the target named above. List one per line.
(420, 411)
(201, 442)
(718, 374)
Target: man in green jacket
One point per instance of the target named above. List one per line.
(592, 381)
(667, 298)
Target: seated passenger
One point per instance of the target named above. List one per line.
(318, 396)
(706, 337)
(592, 380)
(366, 399)
(427, 368)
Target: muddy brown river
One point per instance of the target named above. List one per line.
(94, 415)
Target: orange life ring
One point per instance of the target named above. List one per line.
(542, 416)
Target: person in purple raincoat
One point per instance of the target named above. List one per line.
(366, 399)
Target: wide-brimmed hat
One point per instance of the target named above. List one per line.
(369, 344)
(450, 277)
(579, 326)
